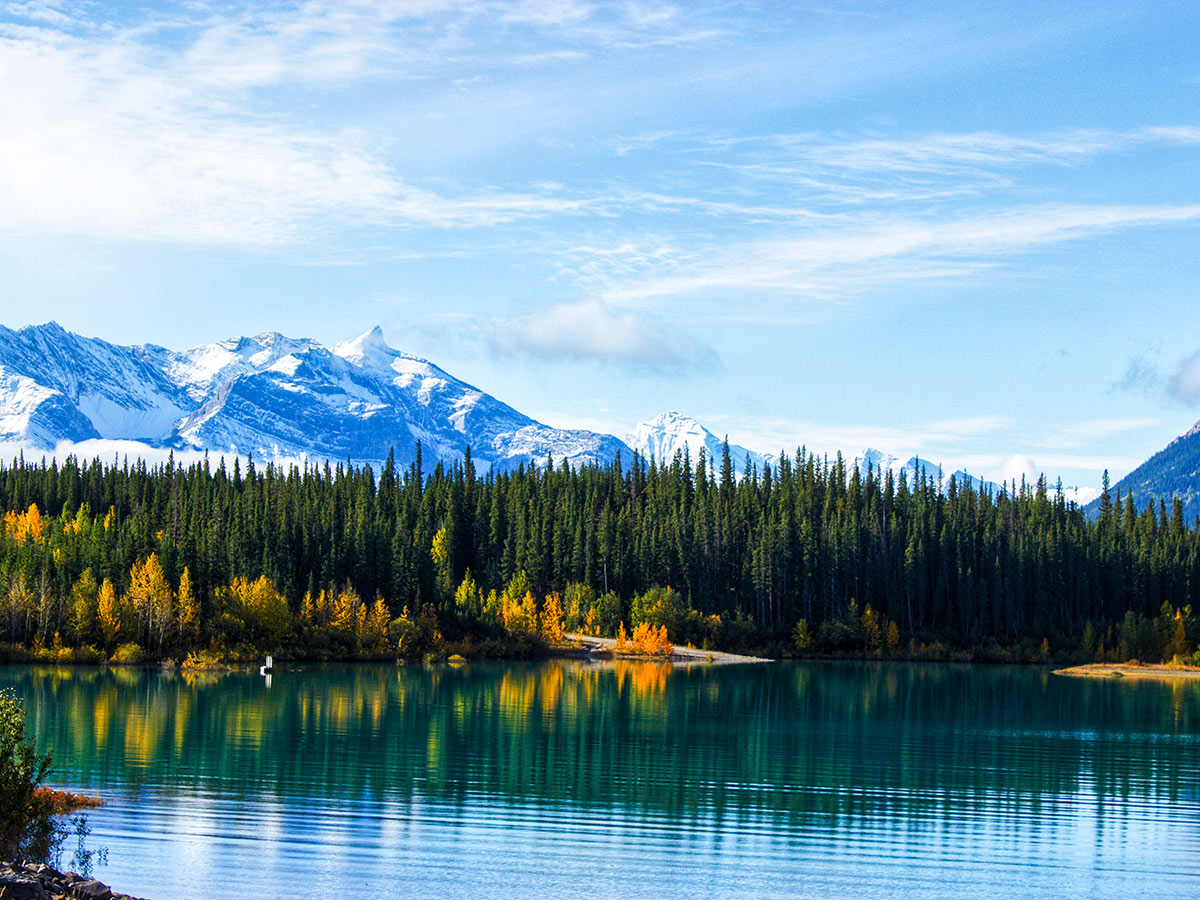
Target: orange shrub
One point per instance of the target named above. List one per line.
(646, 640)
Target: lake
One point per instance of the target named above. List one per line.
(557, 779)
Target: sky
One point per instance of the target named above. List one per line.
(962, 230)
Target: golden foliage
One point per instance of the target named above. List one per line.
(646, 640)
(189, 608)
(550, 620)
(28, 525)
(152, 598)
(521, 618)
(258, 605)
(108, 610)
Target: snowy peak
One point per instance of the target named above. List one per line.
(665, 434)
(369, 349)
(671, 432)
(878, 460)
(270, 395)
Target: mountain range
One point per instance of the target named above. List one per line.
(293, 398)
(270, 395)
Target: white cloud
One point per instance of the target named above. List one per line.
(114, 131)
(1185, 382)
(946, 435)
(592, 331)
(1076, 434)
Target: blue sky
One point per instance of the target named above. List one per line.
(963, 230)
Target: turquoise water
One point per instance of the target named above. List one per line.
(631, 780)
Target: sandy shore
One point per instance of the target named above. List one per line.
(1121, 670)
(598, 645)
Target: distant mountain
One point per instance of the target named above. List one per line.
(915, 467)
(1172, 472)
(667, 434)
(270, 395)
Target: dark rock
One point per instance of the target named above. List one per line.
(90, 890)
(14, 886)
(41, 882)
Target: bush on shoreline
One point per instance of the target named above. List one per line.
(31, 827)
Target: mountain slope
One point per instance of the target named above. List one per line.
(269, 395)
(1172, 472)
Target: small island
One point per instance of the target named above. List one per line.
(1132, 669)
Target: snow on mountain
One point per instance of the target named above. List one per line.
(669, 433)
(916, 468)
(286, 399)
(270, 395)
(66, 387)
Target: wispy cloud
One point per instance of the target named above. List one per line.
(1145, 374)
(1071, 435)
(838, 260)
(164, 129)
(591, 331)
(920, 167)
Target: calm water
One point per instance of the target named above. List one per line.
(634, 780)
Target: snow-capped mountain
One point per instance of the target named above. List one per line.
(270, 395)
(916, 468)
(667, 434)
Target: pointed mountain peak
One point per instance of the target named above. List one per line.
(672, 420)
(50, 328)
(368, 349)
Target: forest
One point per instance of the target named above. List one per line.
(126, 561)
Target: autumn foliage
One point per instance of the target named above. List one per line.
(646, 640)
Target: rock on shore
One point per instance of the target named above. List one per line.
(19, 882)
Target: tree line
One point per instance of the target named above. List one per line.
(811, 552)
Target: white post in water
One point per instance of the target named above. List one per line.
(266, 670)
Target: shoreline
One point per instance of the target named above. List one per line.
(599, 648)
(1125, 670)
(33, 882)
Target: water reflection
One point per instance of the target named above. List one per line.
(819, 772)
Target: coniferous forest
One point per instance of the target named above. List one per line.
(125, 560)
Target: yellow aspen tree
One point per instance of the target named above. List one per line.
(466, 598)
(439, 551)
(308, 610)
(622, 644)
(521, 618)
(150, 594)
(267, 608)
(188, 610)
(550, 621)
(109, 613)
(377, 623)
(893, 637)
(28, 525)
(83, 607)
(346, 606)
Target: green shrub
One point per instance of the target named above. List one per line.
(27, 829)
(127, 655)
